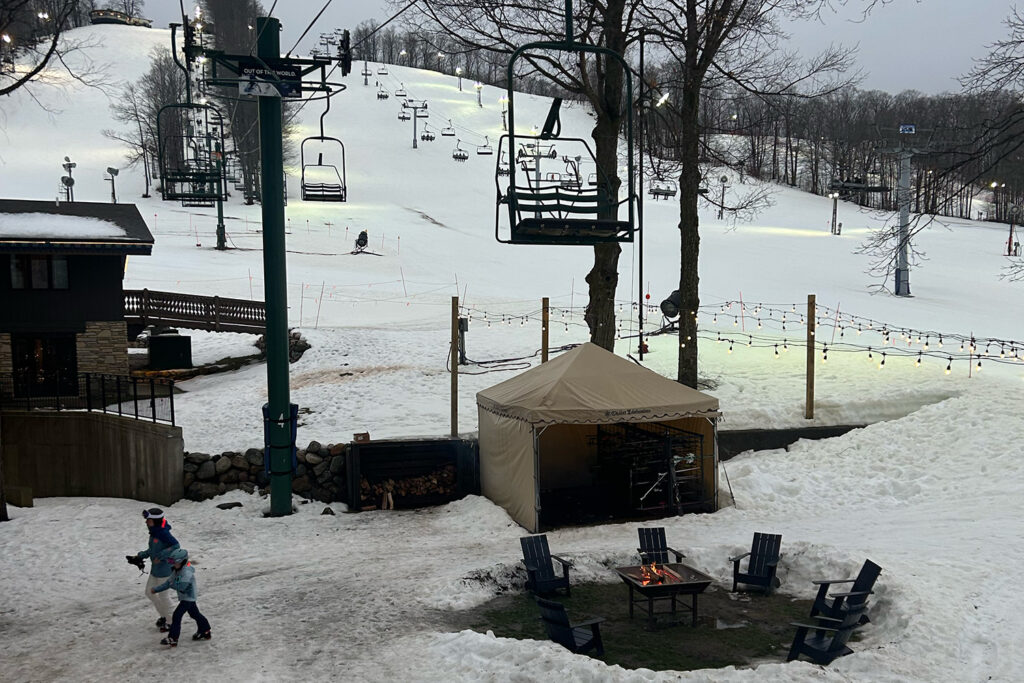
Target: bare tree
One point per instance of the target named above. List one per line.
(133, 8)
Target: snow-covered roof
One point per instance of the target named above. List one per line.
(27, 224)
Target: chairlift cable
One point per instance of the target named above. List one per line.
(322, 9)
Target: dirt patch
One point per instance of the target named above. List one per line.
(737, 629)
(341, 375)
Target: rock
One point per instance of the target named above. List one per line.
(243, 476)
(206, 471)
(323, 477)
(222, 465)
(254, 456)
(239, 461)
(300, 455)
(188, 479)
(320, 469)
(197, 458)
(301, 484)
(190, 466)
(313, 459)
(337, 465)
(228, 506)
(300, 470)
(338, 449)
(313, 447)
(262, 478)
(327, 511)
(201, 491)
(247, 486)
(229, 477)
(222, 487)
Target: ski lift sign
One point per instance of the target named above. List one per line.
(269, 78)
(908, 129)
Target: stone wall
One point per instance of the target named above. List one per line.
(320, 474)
(103, 348)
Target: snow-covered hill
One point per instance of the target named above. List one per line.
(932, 496)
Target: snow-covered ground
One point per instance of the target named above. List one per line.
(930, 491)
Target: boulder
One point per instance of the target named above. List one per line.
(321, 468)
(197, 458)
(338, 449)
(247, 486)
(301, 484)
(254, 456)
(222, 464)
(327, 511)
(229, 477)
(206, 471)
(337, 465)
(239, 461)
(190, 466)
(228, 506)
(201, 491)
(313, 459)
(188, 479)
(313, 447)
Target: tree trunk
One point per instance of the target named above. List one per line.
(603, 279)
(689, 238)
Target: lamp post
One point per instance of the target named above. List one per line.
(440, 56)
(479, 97)
(6, 53)
(112, 173)
(834, 196)
(1011, 210)
(458, 72)
(721, 206)
(503, 101)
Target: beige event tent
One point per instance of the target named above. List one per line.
(577, 429)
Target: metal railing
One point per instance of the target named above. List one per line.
(216, 313)
(138, 398)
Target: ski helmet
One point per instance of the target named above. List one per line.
(153, 513)
(178, 555)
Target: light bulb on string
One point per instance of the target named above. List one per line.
(1002, 352)
(918, 363)
(870, 355)
(824, 354)
(882, 364)
(961, 346)
(735, 321)
(776, 350)
(758, 323)
(750, 340)
(949, 365)
(979, 365)
(785, 347)
(730, 346)
(925, 347)
(940, 341)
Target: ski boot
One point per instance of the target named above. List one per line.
(169, 641)
(205, 635)
(162, 624)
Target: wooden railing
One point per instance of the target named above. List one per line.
(216, 313)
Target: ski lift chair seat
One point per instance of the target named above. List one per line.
(554, 215)
(323, 192)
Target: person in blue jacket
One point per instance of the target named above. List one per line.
(161, 543)
(183, 580)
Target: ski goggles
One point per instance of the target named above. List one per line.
(153, 513)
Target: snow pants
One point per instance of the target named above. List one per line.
(162, 600)
(202, 625)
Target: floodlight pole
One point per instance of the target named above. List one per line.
(640, 208)
(275, 276)
(113, 191)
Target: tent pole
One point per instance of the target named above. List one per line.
(536, 476)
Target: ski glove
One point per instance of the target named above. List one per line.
(137, 561)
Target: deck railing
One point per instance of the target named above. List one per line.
(148, 399)
(216, 313)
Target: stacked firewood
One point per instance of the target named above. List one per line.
(438, 482)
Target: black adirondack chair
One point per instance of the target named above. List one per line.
(654, 547)
(540, 571)
(579, 638)
(828, 640)
(764, 560)
(835, 605)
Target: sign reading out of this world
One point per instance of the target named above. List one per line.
(269, 78)
(908, 129)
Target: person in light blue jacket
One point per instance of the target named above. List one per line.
(183, 580)
(161, 543)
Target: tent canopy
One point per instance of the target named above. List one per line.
(591, 385)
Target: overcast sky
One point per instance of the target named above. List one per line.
(905, 45)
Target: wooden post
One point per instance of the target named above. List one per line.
(809, 409)
(455, 366)
(544, 330)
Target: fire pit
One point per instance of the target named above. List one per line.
(664, 582)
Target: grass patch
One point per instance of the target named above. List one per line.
(733, 628)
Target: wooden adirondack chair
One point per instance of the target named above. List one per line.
(764, 560)
(837, 604)
(829, 639)
(579, 638)
(540, 572)
(654, 547)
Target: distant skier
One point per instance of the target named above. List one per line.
(361, 242)
(161, 543)
(183, 580)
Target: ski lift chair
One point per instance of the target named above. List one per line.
(662, 189)
(382, 70)
(502, 164)
(485, 149)
(458, 153)
(366, 72)
(320, 181)
(382, 94)
(401, 91)
(449, 131)
(427, 135)
(403, 115)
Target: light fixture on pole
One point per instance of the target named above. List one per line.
(834, 196)
(721, 207)
(458, 72)
(479, 97)
(503, 101)
(68, 181)
(111, 174)
(440, 56)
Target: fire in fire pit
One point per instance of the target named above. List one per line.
(654, 573)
